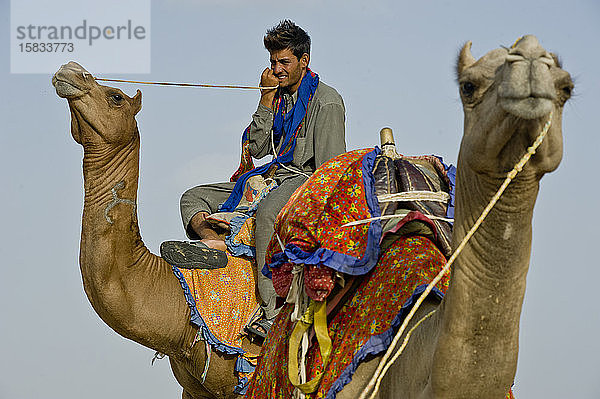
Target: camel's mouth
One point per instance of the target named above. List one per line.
(66, 89)
(528, 107)
(72, 81)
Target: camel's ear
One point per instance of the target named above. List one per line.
(556, 59)
(137, 102)
(465, 58)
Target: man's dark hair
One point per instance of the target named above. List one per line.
(287, 35)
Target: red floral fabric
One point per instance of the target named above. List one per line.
(312, 220)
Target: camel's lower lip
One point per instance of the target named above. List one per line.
(528, 107)
(66, 89)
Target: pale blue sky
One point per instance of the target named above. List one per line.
(393, 63)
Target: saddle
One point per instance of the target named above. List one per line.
(352, 210)
(408, 215)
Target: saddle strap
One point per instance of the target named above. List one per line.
(315, 314)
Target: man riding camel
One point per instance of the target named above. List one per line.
(301, 124)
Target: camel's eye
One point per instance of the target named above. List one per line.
(117, 98)
(467, 89)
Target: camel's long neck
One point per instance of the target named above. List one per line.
(499, 250)
(110, 234)
(478, 342)
(104, 167)
(132, 290)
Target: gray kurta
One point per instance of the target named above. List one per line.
(321, 137)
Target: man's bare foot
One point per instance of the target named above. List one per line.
(215, 244)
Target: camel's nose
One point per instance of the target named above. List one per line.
(527, 88)
(527, 73)
(72, 68)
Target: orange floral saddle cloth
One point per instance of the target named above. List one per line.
(221, 303)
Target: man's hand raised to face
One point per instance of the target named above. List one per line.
(268, 79)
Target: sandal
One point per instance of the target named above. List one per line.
(192, 255)
(260, 327)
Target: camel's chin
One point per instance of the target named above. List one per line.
(527, 108)
(66, 89)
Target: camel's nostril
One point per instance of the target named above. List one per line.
(547, 59)
(514, 58)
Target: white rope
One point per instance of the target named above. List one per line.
(302, 376)
(297, 296)
(213, 86)
(296, 172)
(401, 349)
(407, 196)
(399, 215)
(280, 242)
(434, 196)
(207, 363)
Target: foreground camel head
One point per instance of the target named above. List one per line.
(99, 114)
(507, 98)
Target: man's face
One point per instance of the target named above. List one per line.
(288, 69)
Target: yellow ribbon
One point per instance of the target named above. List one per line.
(315, 314)
(517, 42)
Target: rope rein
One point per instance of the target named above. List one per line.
(188, 84)
(383, 364)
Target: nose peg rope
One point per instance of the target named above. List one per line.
(188, 84)
(384, 364)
